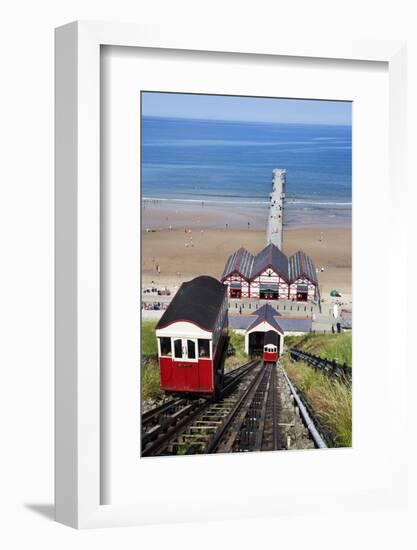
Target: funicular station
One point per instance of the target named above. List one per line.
(263, 332)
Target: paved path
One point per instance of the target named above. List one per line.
(276, 210)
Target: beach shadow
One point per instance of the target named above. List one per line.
(45, 510)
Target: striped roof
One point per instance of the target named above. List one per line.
(240, 262)
(272, 256)
(248, 266)
(301, 265)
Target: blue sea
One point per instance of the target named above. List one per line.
(223, 162)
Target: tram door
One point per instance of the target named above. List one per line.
(185, 362)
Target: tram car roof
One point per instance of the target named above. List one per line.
(197, 301)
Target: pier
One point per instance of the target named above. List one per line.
(276, 210)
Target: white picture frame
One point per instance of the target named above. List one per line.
(78, 406)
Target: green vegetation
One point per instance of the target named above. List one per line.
(148, 340)
(330, 399)
(336, 347)
(237, 341)
(149, 372)
(149, 377)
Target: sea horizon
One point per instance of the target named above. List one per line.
(212, 162)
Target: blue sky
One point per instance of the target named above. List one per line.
(252, 109)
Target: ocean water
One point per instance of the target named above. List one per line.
(231, 163)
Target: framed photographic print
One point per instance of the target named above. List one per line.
(221, 325)
(221, 210)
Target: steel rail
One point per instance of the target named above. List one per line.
(151, 418)
(231, 422)
(318, 440)
(151, 414)
(160, 436)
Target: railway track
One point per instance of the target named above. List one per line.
(245, 432)
(255, 412)
(161, 424)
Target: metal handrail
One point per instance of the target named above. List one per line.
(326, 365)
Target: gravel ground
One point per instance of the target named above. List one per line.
(294, 434)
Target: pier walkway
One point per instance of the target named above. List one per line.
(276, 210)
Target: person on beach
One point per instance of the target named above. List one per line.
(248, 226)
(227, 226)
(158, 269)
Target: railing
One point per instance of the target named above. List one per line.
(327, 366)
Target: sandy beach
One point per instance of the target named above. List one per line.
(159, 214)
(194, 248)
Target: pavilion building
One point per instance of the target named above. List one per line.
(271, 275)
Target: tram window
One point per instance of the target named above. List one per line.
(165, 344)
(178, 349)
(204, 348)
(191, 349)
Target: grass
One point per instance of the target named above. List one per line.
(336, 347)
(149, 377)
(330, 399)
(238, 342)
(148, 338)
(149, 372)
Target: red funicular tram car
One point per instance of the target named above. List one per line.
(192, 337)
(270, 353)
